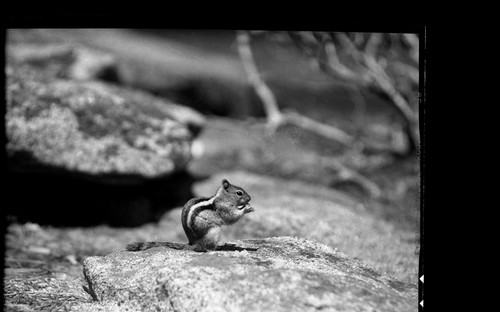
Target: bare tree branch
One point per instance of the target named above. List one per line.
(274, 116)
(326, 131)
(363, 67)
(376, 74)
(372, 44)
(331, 62)
(273, 113)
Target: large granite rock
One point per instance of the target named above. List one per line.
(284, 274)
(94, 128)
(113, 154)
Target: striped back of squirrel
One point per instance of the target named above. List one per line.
(191, 209)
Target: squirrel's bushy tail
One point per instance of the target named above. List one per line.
(138, 246)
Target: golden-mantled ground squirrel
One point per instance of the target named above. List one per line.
(202, 218)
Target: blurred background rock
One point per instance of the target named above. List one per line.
(121, 127)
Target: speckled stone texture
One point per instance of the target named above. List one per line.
(284, 274)
(94, 127)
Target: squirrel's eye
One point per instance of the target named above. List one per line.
(239, 193)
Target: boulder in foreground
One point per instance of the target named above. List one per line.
(284, 274)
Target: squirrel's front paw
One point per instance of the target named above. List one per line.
(248, 208)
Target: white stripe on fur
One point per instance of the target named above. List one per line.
(196, 206)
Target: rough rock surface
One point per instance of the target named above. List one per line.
(284, 274)
(30, 289)
(93, 127)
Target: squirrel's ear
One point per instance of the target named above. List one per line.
(225, 184)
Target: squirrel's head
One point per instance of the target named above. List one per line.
(239, 195)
